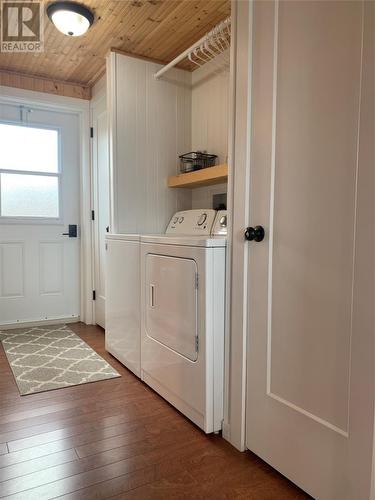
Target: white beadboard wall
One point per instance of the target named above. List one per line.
(99, 89)
(150, 123)
(210, 99)
(202, 197)
(210, 91)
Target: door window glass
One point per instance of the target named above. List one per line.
(29, 172)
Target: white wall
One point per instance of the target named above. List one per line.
(202, 197)
(150, 125)
(210, 99)
(99, 89)
(210, 87)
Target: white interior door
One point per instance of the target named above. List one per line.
(310, 385)
(39, 198)
(101, 201)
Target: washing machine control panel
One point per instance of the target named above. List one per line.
(192, 222)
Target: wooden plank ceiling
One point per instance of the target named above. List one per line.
(156, 29)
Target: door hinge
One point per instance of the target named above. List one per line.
(196, 343)
(93, 295)
(91, 132)
(196, 280)
(92, 214)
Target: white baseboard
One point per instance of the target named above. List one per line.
(25, 324)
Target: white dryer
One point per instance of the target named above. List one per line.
(182, 316)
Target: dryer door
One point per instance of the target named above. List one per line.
(171, 303)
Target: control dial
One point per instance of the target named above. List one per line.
(202, 219)
(223, 221)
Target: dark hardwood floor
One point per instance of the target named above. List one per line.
(118, 439)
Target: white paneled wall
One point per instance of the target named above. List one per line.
(150, 122)
(202, 197)
(99, 89)
(210, 97)
(210, 90)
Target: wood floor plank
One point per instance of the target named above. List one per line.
(87, 421)
(28, 402)
(143, 401)
(78, 436)
(41, 478)
(67, 477)
(217, 480)
(56, 408)
(181, 485)
(81, 413)
(138, 435)
(151, 457)
(118, 439)
(95, 438)
(12, 397)
(72, 480)
(32, 453)
(37, 464)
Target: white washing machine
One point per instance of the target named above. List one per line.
(182, 315)
(122, 316)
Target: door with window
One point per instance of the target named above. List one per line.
(39, 199)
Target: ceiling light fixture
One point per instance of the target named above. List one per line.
(70, 18)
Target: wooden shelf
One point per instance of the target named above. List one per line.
(204, 177)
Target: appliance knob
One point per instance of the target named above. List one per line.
(175, 220)
(181, 220)
(223, 221)
(202, 219)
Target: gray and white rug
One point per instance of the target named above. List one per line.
(50, 357)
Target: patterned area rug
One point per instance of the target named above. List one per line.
(51, 357)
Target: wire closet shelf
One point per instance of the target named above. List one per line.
(213, 47)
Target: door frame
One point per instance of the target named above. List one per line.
(80, 107)
(238, 204)
(99, 97)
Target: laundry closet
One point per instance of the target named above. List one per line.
(165, 246)
(153, 122)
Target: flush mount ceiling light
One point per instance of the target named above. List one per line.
(70, 18)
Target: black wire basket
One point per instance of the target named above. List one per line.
(195, 160)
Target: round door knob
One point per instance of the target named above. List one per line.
(254, 233)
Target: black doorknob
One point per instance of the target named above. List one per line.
(254, 233)
(72, 231)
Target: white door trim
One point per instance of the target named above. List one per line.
(100, 98)
(238, 204)
(80, 107)
(111, 78)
